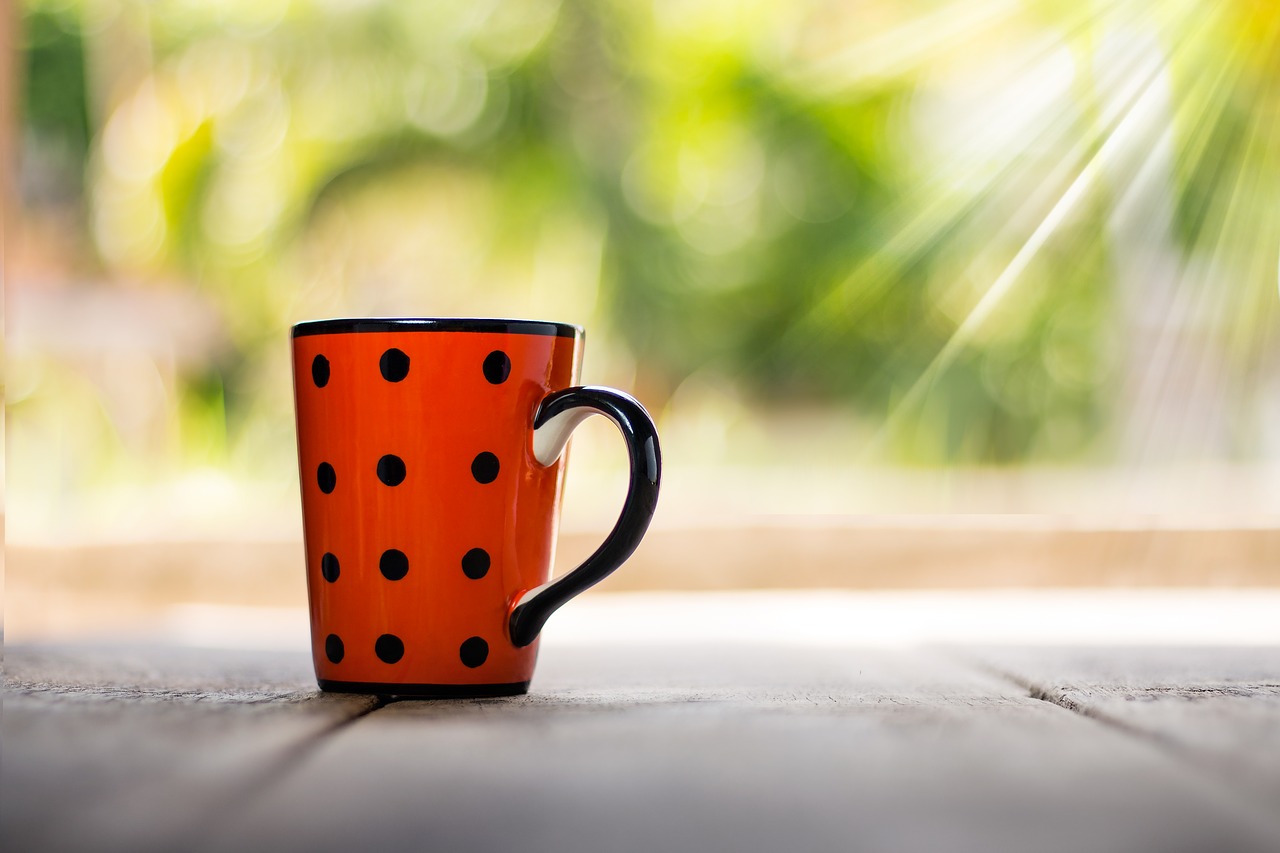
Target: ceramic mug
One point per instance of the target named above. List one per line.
(431, 460)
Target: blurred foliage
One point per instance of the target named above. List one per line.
(56, 104)
(914, 212)
(55, 99)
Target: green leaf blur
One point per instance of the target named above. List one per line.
(975, 231)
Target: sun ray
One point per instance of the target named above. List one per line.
(1075, 193)
(931, 210)
(1239, 213)
(1184, 388)
(1166, 313)
(939, 214)
(904, 48)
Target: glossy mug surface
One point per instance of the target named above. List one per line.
(431, 465)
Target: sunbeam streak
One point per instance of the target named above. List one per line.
(1136, 118)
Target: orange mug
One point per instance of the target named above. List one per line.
(431, 460)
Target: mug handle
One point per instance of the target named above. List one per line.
(558, 415)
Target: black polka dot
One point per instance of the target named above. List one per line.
(394, 564)
(326, 477)
(394, 365)
(333, 648)
(389, 648)
(485, 468)
(474, 652)
(329, 567)
(320, 371)
(391, 469)
(497, 367)
(475, 563)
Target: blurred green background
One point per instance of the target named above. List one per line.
(811, 236)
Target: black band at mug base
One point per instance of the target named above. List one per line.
(426, 691)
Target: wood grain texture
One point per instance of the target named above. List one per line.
(1215, 709)
(140, 749)
(678, 746)
(743, 748)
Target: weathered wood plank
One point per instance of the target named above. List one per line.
(1217, 709)
(742, 748)
(143, 749)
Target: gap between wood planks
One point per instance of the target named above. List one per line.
(289, 760)
(1212, 771)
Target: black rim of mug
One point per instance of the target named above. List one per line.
(435, 324)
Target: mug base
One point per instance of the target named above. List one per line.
(426, 691)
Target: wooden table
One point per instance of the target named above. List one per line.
(667, 741)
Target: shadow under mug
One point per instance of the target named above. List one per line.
(431, 460)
